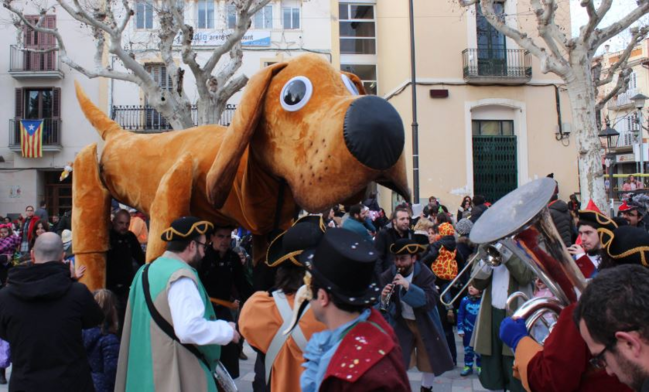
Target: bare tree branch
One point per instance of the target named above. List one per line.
(621, 63)
(621, 85)
(599, 37)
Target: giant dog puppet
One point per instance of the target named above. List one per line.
(302, 137)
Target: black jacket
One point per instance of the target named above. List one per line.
(42, 313)
(477, 212)
(384, 239)
(562, 220)
(124, 255)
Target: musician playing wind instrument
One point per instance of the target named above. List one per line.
(410, 298)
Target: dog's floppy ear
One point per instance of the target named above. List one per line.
(236, 139)
(357, 82)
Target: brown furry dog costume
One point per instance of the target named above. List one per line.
(279, 154)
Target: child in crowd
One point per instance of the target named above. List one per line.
(466, 317)
(102, 343)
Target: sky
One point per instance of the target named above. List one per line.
(618, 10)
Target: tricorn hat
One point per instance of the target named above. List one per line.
(344, 264)
(629, 245)
(600, 222)
(298, 243)
(406, 246)
(186, 228)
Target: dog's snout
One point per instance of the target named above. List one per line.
(373, 132)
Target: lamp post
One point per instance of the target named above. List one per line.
(638, 102)
(608, 137)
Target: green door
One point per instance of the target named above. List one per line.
(495, 173)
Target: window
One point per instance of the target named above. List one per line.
(36, 104)
(155, 120)
(263, 19)
(633, 81)
(291, 18)
(232, 16)
(33, 60)
(357, 29)
(493, 128)
(205, 14)
(143, 15)
(367, 74)
(491, 42)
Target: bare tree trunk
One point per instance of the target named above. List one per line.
(582, 100)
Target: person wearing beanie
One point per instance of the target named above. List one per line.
(465, 247)
(182, 352)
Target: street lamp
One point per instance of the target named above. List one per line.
(608, 137)
(638, 102)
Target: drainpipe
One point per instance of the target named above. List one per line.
(415, 125)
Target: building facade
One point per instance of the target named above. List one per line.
(489, 120)
(40, 86)
(632, 150)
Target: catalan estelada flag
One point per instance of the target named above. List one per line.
(31, 138)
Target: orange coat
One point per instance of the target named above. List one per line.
(259, 322)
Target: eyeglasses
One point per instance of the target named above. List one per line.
(205, 246)
(29, 210)
(598, 361)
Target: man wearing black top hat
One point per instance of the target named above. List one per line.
(411, 297)
(265, 316)
(172, 338)
(359, 350)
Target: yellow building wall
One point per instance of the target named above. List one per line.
(443, 30)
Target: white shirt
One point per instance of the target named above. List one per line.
(187, 313)
(406, 310)
(499, 287)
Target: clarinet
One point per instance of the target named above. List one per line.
(385, 304)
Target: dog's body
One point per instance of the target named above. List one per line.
(254, 173)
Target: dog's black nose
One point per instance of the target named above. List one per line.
(374, 132)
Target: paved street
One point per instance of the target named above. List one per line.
(449, 382)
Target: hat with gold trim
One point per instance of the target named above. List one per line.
(298, 243)
(629, 245)
(600, 222)
(187, 228)
(406, 246)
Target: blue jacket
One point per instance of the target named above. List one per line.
(103, 352)
(468, 313)
(352, 224)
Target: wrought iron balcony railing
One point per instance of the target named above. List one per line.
(485, 66)
(51, 134)
(24, 64)
(145, 119)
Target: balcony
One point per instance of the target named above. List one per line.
(623, 100)
(51, 135)
(497, 66)
(31, 65)
(145, 119)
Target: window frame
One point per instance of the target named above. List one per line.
(500, 131)
(209, 23)
(264, 10)
(148, 12)
(291, 18)
(354, 20)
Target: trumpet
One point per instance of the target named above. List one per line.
(491, 254)
(386, 304)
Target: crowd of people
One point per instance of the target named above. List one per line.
(354, 298)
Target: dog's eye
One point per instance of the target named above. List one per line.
(350, 85)
(296, 93)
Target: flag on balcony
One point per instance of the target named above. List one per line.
(31, 138)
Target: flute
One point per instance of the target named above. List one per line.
(385, 304)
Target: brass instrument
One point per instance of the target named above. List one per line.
(385, 305)
(521, 222)
(488, 253)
